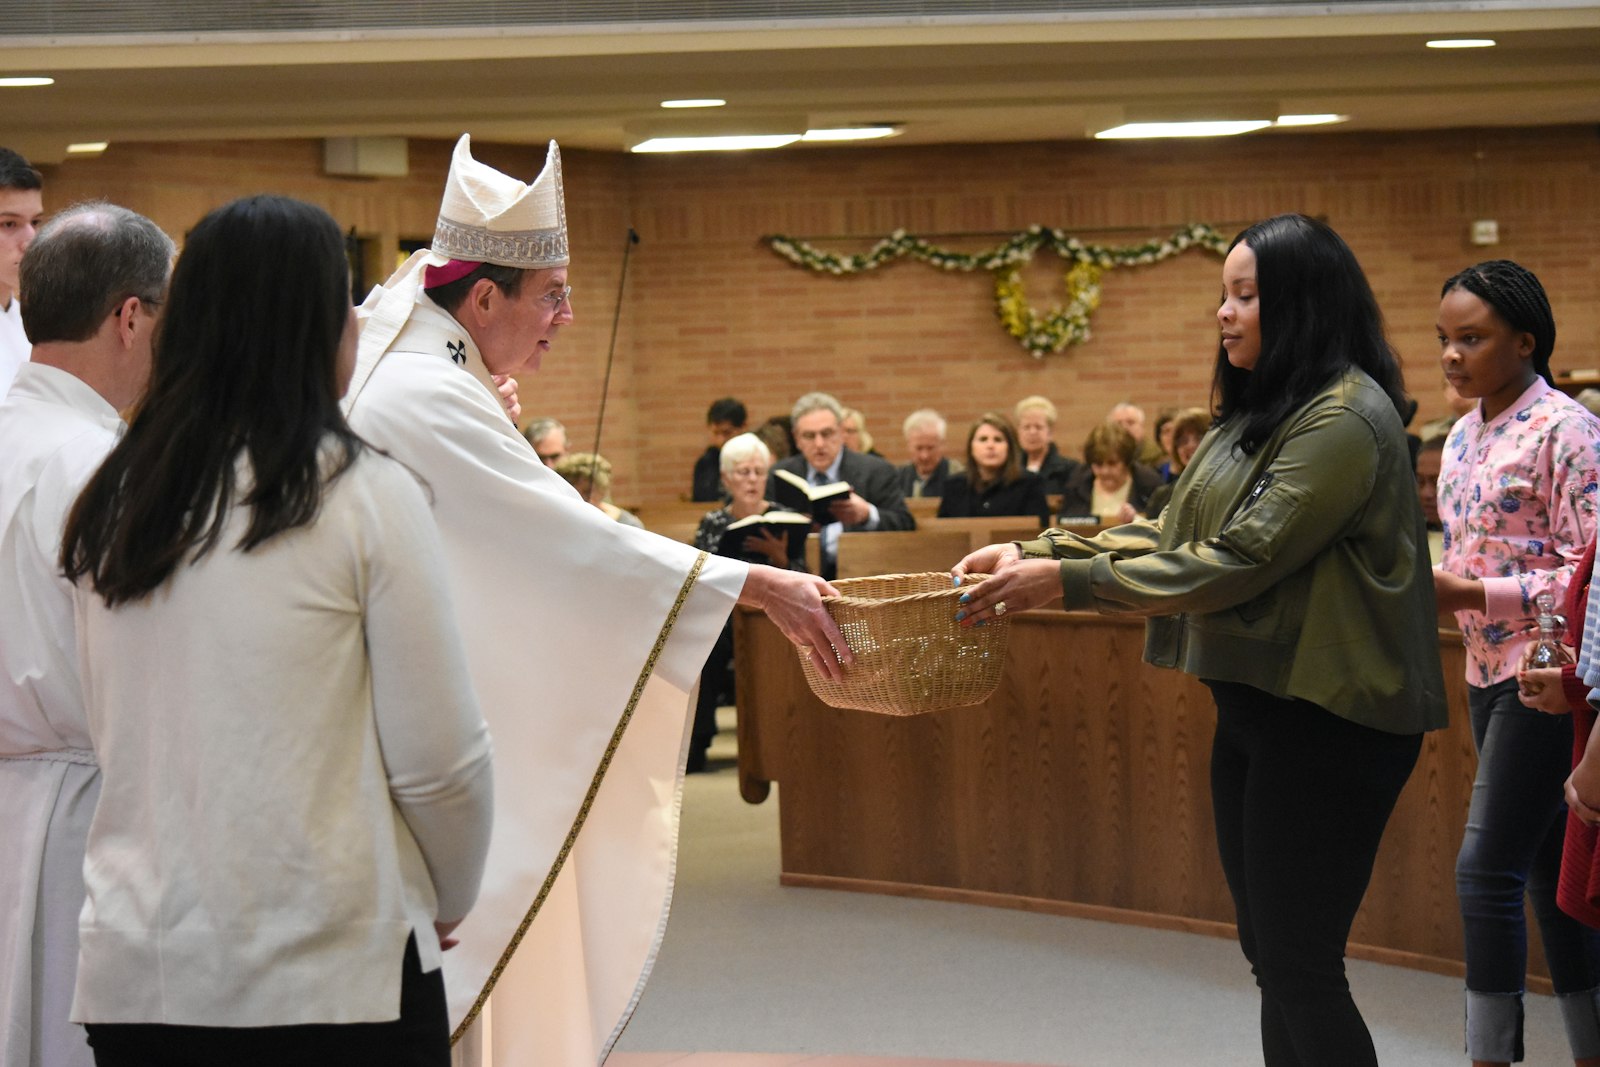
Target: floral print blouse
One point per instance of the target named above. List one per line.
(1517, 499)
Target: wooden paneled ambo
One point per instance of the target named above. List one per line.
(1080, 788)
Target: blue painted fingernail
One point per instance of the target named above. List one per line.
(981, 622)
(966, 598)
(960, 615)
(955, 579)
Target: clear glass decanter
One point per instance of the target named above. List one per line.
(1549, 652)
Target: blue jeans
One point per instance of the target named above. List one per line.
(1512, 848)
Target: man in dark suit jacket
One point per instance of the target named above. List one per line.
(929, 467)
(875, 501)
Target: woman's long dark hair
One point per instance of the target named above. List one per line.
(1514, 292)
(245, 361)
(1013, 468)
(1318, 318)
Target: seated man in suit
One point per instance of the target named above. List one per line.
(549, 439)
(1130, 417)
(924, 431)
(874, 501)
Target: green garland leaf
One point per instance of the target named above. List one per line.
(1040, 334)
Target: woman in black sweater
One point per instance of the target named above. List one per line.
(994, 482)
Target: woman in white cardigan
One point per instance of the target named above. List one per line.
(296, 798)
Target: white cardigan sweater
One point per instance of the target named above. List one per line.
(296, 772)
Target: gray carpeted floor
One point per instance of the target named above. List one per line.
(750, 966)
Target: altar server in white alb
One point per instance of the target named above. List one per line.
(98, 273)
(590, 717)
(21, 212)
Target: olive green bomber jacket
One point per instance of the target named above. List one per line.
(1301, 570)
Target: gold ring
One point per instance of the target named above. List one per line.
(999, 608)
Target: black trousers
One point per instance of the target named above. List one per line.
(419, 1038)
(1301, 797)
(716, 682)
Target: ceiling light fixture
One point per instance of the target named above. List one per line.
(707, 102)
(1206, 128)
(87, 148)
(1463, 42)
(851, 133)
(25, 83)
(1310, 120)
(720, 143)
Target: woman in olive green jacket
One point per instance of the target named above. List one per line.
(1290, 573)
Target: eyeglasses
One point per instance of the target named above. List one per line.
(150, 304)
(817, 435)
(748, 472)
(557, 298)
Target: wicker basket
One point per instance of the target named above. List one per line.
(910, 654)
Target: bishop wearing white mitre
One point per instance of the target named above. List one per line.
(590, 716)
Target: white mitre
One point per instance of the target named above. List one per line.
(489, 217)
(485, 217)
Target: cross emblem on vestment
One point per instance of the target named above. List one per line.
(458, 352)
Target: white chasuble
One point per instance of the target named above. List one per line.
(585, 639)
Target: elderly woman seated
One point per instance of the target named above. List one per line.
(745, 462)
(1036, 425)
(994, 482)
(1188, 428)
(1111, 487)
(590, 475)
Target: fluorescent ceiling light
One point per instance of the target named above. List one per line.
(851, 133)
(87, 148)
(707, 102)
(25, 83)
(1310, 120)
(1463, 42)
(1208, 128)
(723, 143)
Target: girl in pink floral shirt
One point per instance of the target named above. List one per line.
(1517, 489)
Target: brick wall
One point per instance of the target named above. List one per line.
(709, 310)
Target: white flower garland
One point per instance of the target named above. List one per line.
(1062, 325)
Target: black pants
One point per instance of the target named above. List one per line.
(1301, 798)
(419, 1038)
(716, 683)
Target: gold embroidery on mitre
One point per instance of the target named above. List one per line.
(530, 249)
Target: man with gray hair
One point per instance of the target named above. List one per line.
(874, 500)
(924, 432)
(549, 440)
(95, 277)
(1130, 417)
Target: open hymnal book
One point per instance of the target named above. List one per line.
(790, 524)
(820, 497)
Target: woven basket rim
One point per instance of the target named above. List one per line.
(933, 594)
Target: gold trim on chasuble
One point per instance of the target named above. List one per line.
(588, 799)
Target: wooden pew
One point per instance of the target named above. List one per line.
(1080, 788)
(678, 531)
(862, 554)
(988, 530)
(661, 517)
(922, 508)
(935, 545)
